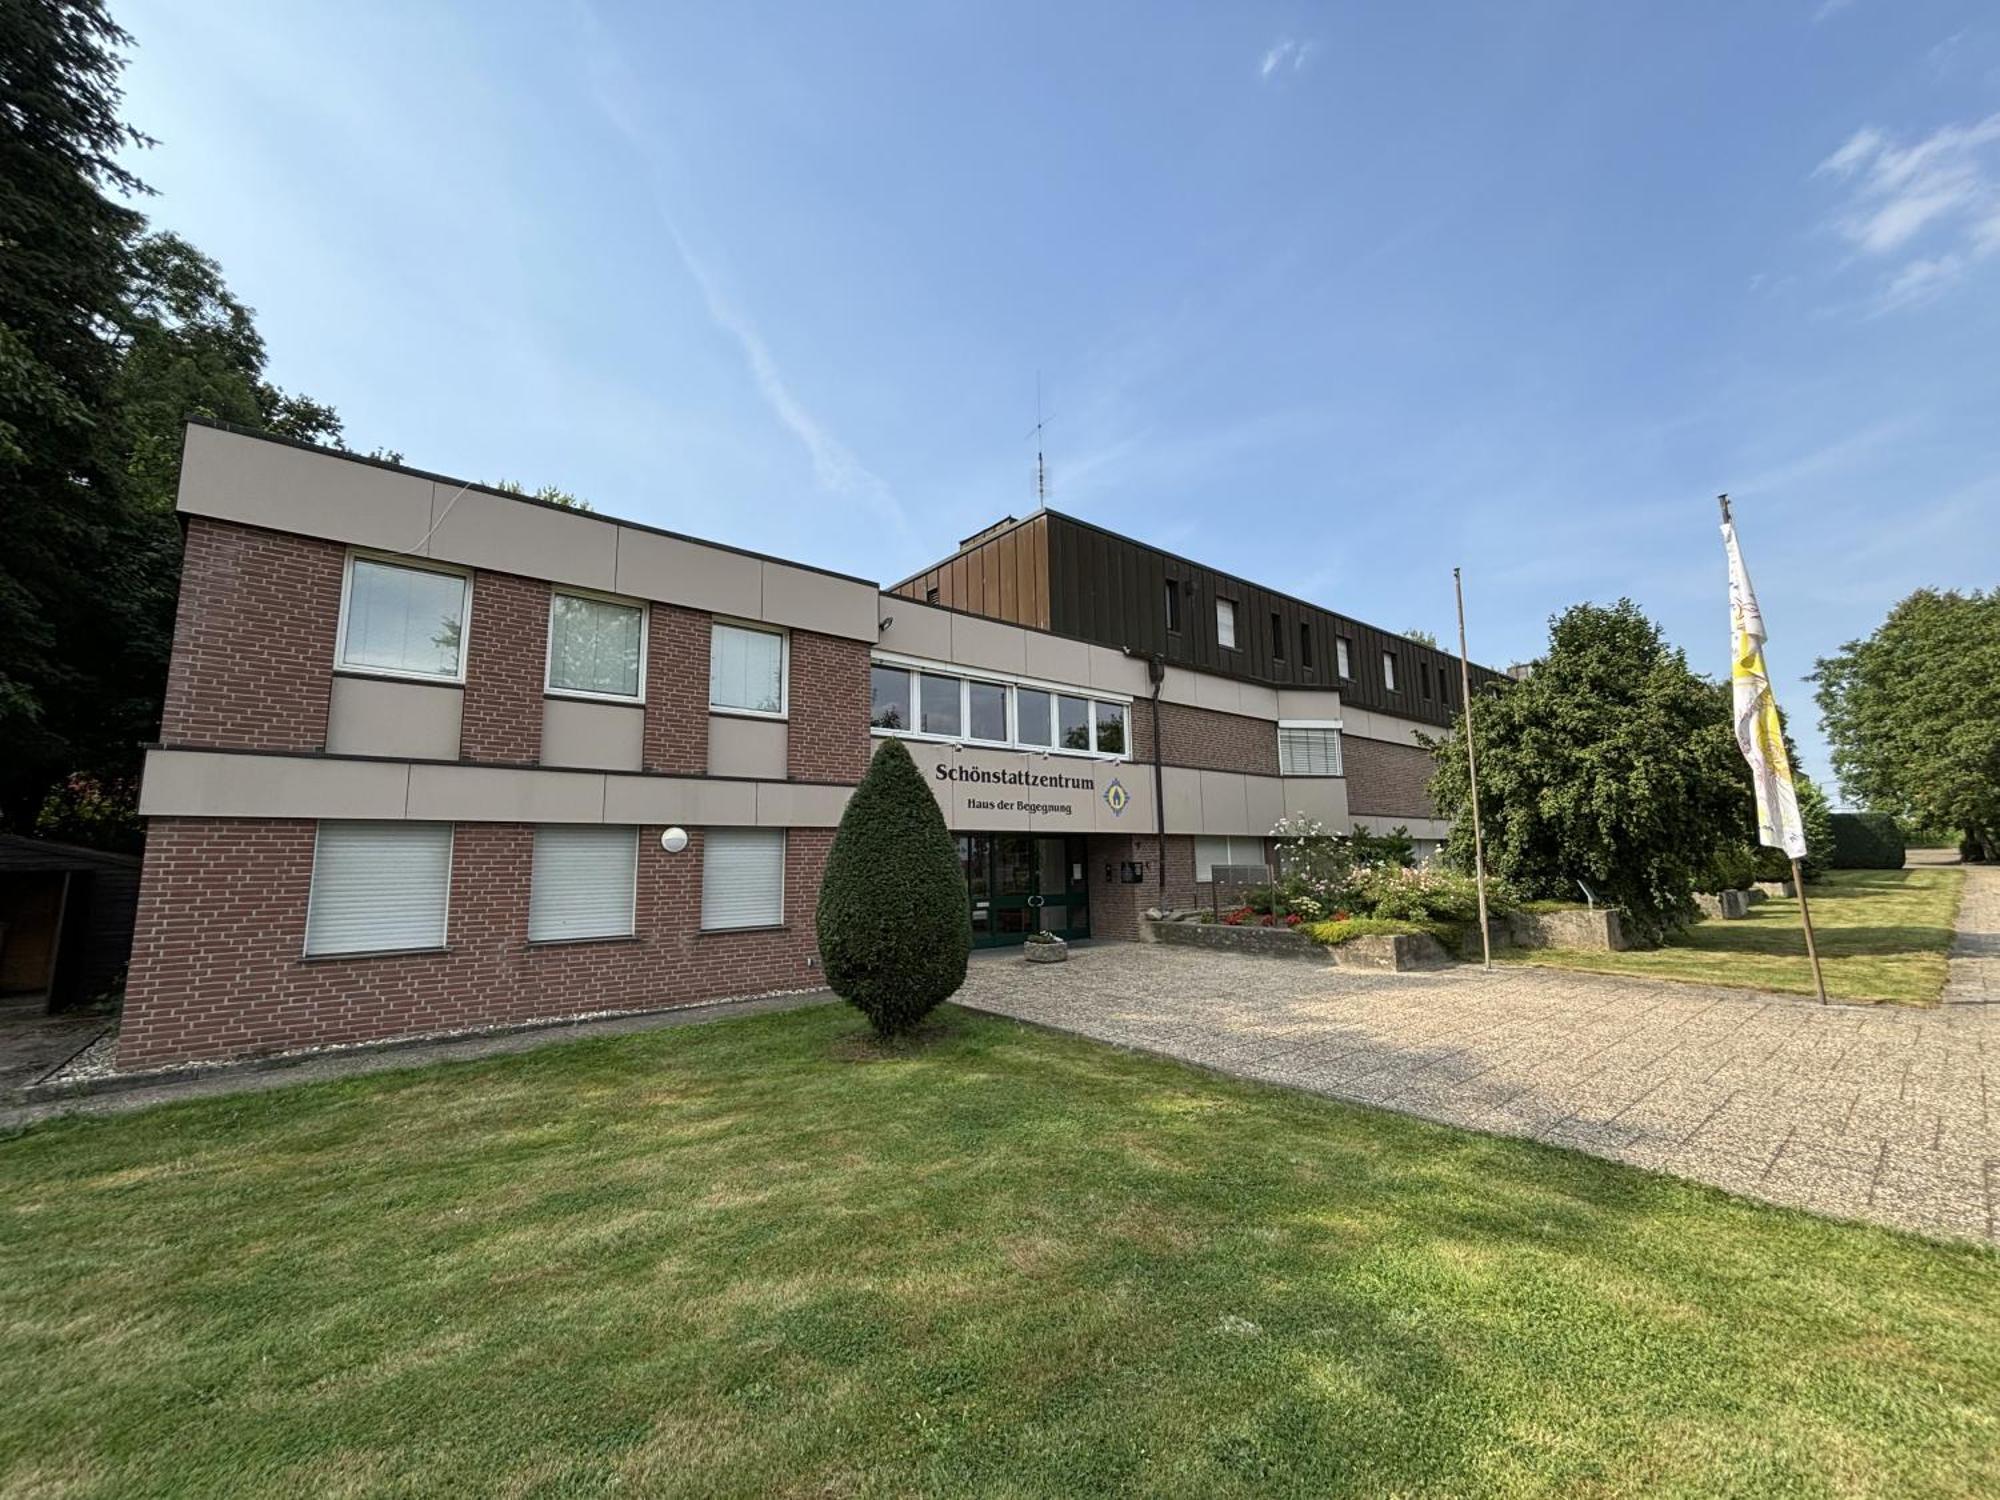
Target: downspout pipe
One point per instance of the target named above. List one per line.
(1156, 670)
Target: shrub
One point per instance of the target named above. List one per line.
(895, 922)
(1427, 894)
(1731, 869)
(1393, 848)
(1867, 841)
(1333, 934)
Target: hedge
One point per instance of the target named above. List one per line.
(1866, 841)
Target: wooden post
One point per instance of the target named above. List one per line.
(1805, 916)
(1472, 773)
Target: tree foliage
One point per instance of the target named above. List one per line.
(110, 338)
(895, 921)
(1612, 763)
(1913, 714)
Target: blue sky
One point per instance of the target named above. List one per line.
(1331, 296)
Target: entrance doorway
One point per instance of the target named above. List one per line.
(1023, 883)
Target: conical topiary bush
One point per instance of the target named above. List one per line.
(895, 923)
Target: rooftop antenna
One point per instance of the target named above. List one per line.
(1041, 468)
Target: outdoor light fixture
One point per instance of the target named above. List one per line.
(673, 840)
(887, 621)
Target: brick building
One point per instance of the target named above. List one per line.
(436, 758)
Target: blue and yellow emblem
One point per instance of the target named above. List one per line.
(1116, 797)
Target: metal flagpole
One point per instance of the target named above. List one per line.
(1798, 874)
(1472, 771)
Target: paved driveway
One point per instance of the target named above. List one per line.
(1865, 1112)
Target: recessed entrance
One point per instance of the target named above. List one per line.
(1023, 883)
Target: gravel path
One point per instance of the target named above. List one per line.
(1882, 1113)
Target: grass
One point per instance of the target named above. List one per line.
(1883, 935)
(756, 1258)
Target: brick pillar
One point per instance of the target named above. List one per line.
(677, 691)
(828, 736)
(506, 663)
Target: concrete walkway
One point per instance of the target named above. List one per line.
(1883, 1113)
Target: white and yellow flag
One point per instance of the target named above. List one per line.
(1757, 728)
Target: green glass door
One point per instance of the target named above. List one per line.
(1021, 884)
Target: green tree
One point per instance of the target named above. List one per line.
(895, 922)
(65, 249)
(1422, 638)
(1913, 714)
(548, 494)
(1610, 764)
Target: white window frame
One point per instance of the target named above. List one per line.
(631, 917)
(549, 646)
(1343, 666)
(1389, 673)
(1225, 609)
(784, 669)
(1007, 711)
(1339, 749)
(312, 885)
(784, 856)
(917, 667)
(415, 565)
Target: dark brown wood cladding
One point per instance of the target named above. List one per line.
(1079, 580)
(1004, 577)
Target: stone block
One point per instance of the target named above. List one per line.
(1597, 930)
(1724, 905)
(1778, 889)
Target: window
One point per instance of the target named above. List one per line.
(1309, 750)
(597, 647)
(1174, 604)
(1389, 670)
(1305, 645)
(889, 706)
(931, 595)
(1032, 711)
(940, 705)
(746, 669)
(1340, 661)
(584, 881)
(742, 878)
(1277, 636)
(1110, 729)
(405, 621)
(986, 711)
(378, 887)
(1210, 851)
(1225, 623)
(1073, 722)
(1424, 677)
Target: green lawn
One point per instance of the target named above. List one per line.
(1883, 935)
(750, 1258)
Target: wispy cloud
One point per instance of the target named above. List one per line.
(1287, 56)
(835, 467)
(1829, 8)
(1941, 188)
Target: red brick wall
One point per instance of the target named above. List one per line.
(1114, 907)
(506, 666)
(1385, 779)
(216, 967)
(254, 635)
(1206, 739)
(677, 691)
(828, 736)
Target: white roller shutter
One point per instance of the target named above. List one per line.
(378, 887)
(583, 883)
(1308, 751)
(742, 877)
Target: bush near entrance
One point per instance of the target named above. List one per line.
(1867, 841)
(895, 922)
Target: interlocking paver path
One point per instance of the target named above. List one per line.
(1868, 1112)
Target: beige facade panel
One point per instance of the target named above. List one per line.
(914, 629)
(804, 600)
(997, 790)
(1052, 658)
(258, 483)
(204, 784)
(782, 804)
(1263, 803)
(1115, 672)
(1256, 701)
(738, 746)
(1183, 792)
(499, 794)
(1304, 703)
(686, 800)
(381, 716)
(1321, 797)
(989, 644)
(1225, 808)
(650, 566)
(585, 735)
(1374, 726)
(482, 530)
